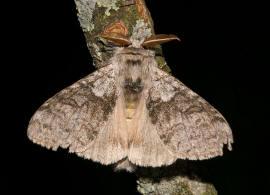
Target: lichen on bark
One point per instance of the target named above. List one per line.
(108, 5)
(140, 30)
(181, 178)
(85, 12)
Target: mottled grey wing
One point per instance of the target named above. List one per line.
(81, 118)
(188, 125)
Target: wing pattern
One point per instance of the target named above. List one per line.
(81, 118)
(187, 124)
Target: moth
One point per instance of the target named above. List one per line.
(131, 113)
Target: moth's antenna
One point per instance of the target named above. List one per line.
(159, 39)
(116, 37)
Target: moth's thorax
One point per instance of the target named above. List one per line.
(133, 75)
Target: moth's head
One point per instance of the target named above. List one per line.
(148, 42)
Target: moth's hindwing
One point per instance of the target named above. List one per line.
(83, 118)
(188, 125)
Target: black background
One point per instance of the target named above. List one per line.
(223, 57)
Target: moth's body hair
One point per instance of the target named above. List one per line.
(130, 113)
(126, 165)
